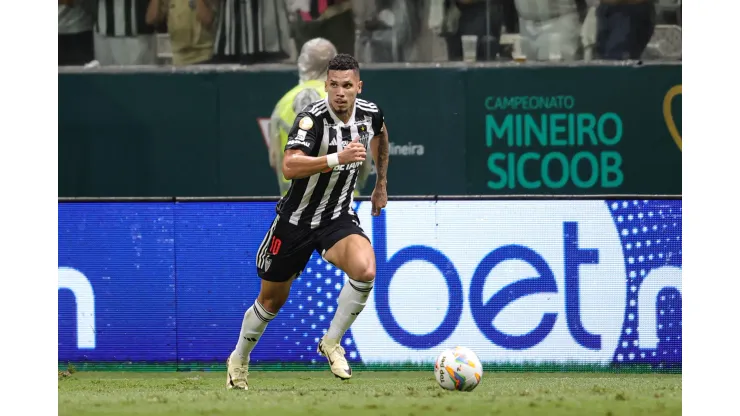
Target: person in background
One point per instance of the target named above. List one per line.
(122, 35)
(388, 30)
(190, 24)
(252, 32)
(624, 28)
(454, 18)
(328, 19)
(75, 45)
(510, 18)
(679, 13)
(313, 63)
(550, 30)
(588, 30)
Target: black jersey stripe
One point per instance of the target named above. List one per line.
(128, 17)
(110, 18)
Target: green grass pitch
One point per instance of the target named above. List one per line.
(367, 393)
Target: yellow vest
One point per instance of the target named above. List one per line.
(285, 107)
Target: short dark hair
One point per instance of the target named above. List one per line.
(344, 62)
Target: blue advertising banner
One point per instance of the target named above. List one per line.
(596, 282)
(117, 282)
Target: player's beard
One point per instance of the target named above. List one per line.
(342, 112)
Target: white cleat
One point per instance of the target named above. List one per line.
(236, 374)
(334, 352)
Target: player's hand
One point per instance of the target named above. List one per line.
(354, 152)
(379, 199)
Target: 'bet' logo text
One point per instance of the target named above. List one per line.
(514, 281)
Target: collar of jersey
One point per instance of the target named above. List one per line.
(334, 116)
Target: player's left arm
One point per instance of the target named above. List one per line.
(379, 147)
(365, 169)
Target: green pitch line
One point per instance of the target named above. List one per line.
(401, 366)
(367, 393)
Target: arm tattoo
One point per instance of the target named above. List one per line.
(382, 162)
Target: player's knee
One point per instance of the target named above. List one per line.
(272, 305)
(365, 273)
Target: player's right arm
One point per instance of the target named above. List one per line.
(302, 139)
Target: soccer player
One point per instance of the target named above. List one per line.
(326, 146)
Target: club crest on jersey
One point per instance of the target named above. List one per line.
(306, 123)
(362, 129)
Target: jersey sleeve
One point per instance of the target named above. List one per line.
(303, 134)
(378, 120)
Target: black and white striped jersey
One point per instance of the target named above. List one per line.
(323, 197)
(251, 29)
(122, 18)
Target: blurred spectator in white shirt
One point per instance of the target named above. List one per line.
(388, 30)
(550, 30)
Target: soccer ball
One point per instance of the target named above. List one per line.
(458, 369)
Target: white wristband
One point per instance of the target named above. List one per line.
(332, 159)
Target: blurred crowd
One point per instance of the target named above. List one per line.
(187, 32)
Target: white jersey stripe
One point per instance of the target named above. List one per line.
(371, 110)
(260, 30)
(119, 18)
(219, 31)
(366, 104)
(319, 109)
(229, 30)
(244, 29)
(250, 25)
(102, 18)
